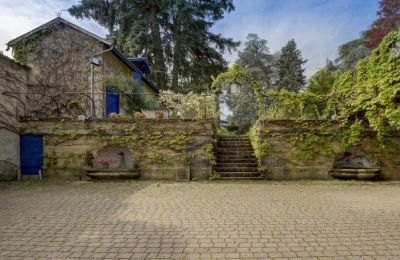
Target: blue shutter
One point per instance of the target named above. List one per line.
(112, 102)
(31, 153)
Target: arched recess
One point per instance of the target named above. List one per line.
(120, 156)
(238, 74)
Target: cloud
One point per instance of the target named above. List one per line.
(20, 16)
(318, 26)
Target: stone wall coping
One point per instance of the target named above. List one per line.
(119, 120)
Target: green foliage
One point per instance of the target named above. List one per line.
(222, 131)
(136, 138)
(373, 98)
(156, 157)
(133, 98)
(256, 60)
(290, 68)
(239, 75)
(366, 99)
(323, 80)
(50, 160)
(290, 105)
(310, 144)
(350, 53)
(191, 105)
(23, 47)
(214, 177)
(172, 34)
(209, 149)
(261, 147)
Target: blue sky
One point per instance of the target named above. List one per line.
(318, 26)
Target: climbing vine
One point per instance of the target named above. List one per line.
(365, 99)
(237, 74)
(374, 98)
(260, 146)
(23, 47)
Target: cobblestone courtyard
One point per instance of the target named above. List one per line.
(200, 220)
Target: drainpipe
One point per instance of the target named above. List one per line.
(92, 64)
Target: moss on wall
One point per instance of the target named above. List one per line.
(308, 149)
(156, 145)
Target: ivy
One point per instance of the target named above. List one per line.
(260, 146)
(23, 47)
(209, 150)
(367, 98)
(238, 74)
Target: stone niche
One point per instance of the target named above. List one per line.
(350, 160)
(119, 157)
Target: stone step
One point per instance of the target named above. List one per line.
(228, 152)
(258, 178)
(226, 157)
(233, 148)
(227, 160)
(236, 169)
(234, 143)
(235, 164)
(238, 174)
(230, 137)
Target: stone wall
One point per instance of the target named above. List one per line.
(13, 78)
(291, 154)
(61, 63)
(159, 148)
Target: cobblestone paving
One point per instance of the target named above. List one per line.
(137, 220)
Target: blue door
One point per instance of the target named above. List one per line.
(112, 102)
(31, 152)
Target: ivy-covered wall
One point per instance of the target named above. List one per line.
(159, 147)
(13, 78)
(290, 149)
(60, 61)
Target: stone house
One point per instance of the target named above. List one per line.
(60, 70)
(65, 58)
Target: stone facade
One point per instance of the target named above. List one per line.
(60, 61)
(13, 78)
(159, 148)
(287, 160)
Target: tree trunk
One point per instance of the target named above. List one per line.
(160, 70)
(177, 49)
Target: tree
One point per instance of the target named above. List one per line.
(256, 60)
(243, 107)
(172, 34)
(388, 20)
(323, 80)
(350, 53)
(290, 70)
(197, 53)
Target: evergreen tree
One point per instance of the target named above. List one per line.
(172, 34)
(350, 53)
(322, 81)
(290, 68)
(258, 62)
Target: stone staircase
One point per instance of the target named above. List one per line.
(235, 159)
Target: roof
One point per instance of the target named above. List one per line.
(60, 20)
(55, 21)
(134, 68)
(142, 63)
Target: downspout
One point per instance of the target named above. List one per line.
(92, 108)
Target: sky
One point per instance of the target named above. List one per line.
(318, 26)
